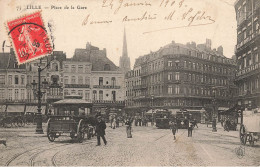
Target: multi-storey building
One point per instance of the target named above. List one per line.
(248, 52)
(12, 84)
(88, 73)
(178, 76)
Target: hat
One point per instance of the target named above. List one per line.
(99, 117)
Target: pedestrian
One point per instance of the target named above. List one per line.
(100, 131)
(190, 129)
(117, 122)
(173, 127)
(114, 123)
(128, 128)
(195, 123)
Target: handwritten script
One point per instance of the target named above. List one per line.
(176, 13)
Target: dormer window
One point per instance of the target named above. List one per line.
(107, 67)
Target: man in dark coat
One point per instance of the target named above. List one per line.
(100, 130)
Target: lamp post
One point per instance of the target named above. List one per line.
(214, 121)
(39, 94)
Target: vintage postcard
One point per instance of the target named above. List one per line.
(129, 83)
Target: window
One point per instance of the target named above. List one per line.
(55, 67)
(2, 94)
(66, 92)
(10, 94)
(66, 68)
(87, 81)
(177, 76)
(101, 95)
(2, 79)
(100, 80)
(80, 92)
(185, 64)
(114, 95)
(80, 68)
(177, 89)
(73, 92)
(73, 68)
(256, 60)
(10, 79)
(113, 81)
(87, 68)
(87, 93)
(170, 89)
(22, 80)
(169, 76)
(16, 80)
(73, 80)
(22, 94)
(80, 80)
(66, 80)
(169, 63)
(107, 67)
(94, 95)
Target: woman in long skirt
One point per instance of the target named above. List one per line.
(128, 128)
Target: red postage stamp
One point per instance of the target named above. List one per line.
(29, 38)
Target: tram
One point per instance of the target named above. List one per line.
(182, 119)
(162, 118)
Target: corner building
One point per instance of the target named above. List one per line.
(248, 52)
(178, 77)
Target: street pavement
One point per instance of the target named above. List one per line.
(148, 147)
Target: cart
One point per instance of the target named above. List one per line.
(77, 127)
(250, 126)
(71, 118)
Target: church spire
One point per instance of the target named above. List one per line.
(124, 46)
(124, 63)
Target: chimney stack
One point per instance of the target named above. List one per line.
(208, 44)
(220, 50)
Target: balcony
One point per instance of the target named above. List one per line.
(247, 40)
(248, 69)
(76, 86)
(21, 101)
(241, 19)
(106, 87)
(50, 96)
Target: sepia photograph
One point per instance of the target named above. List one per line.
(129, 83)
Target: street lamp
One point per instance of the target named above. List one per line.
(214, 120)
(39, 95)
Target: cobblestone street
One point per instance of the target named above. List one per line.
(149, 146)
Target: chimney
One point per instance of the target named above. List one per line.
(188, 44)
(220, 50)
(173, 42)
(193, 44)
(208, 43)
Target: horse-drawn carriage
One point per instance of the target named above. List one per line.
(250, 126)
(70, 117)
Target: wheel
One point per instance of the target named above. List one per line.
(50, 135)
(251, 139)
(243, 135)
(72, 135)
(80, 131)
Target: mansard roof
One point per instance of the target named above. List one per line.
(8, 61)
(98, 58)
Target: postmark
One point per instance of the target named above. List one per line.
(29, 38)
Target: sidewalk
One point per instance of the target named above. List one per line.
(220, 130)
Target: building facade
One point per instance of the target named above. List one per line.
(182, 77)
(248, 52)
(88, 73)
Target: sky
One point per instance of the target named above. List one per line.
(74, 23)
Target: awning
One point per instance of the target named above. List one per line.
(15, 108)
(34, 109)
(190, 110)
